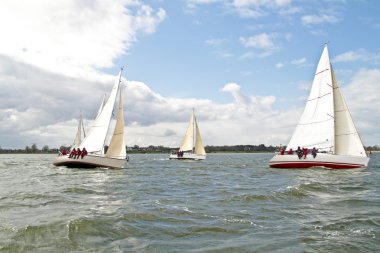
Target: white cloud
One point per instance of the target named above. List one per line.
(259, 8)
(261, 41)
(350, 56)
(277, 3)
(70, 37)
(279, 65)
(319, 19)
(248, 8)
(191, 5)
(365, 86)
(300, 61)
(263, 44)
(32, 112)
(224, 55)
(214, 42)
(358, 55)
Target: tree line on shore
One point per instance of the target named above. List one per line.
(33, 149)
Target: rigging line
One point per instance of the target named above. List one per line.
(319, 97)
(315, 122)
(325, 43)
(321, 71)
(352, 133)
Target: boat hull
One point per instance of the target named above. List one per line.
(188, 156)
(321, 160)
(90, 161)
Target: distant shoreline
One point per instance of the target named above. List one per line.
(166, 150)
(144, 152)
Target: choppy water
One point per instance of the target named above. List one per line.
(228, 203)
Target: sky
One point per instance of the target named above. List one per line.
(244, 66)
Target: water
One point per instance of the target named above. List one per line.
(227, 203)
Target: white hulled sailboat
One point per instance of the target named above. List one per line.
(192, 147)
(95, 141)
(326, 125)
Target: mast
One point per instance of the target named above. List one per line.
(194, 133)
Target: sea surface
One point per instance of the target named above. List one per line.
(227, 203)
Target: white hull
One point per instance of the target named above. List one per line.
(188, 156)
(90, 161)
(321, 160)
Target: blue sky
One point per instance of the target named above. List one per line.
(246, 66)
(201, 48)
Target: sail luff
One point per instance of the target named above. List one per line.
(117, 144)
(199, 148)
(188, 140)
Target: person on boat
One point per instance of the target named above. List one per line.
(290, 151)
(299, 152)
(282, 151)
(314, 152)
(63, 152)
(72, 153)
(77, 153)
(83, 153)
(304, 150)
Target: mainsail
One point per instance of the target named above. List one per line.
(188, 140)
(326, 122)
(316, 126)
(94, 141)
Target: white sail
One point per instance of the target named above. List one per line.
(347, 140)
(199, 148)
(101, 106)
(117, 145)
(78, 136)
(316, 126)
(95, 139)
(188, 140)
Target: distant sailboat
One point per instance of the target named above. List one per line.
(192, 147)
(326, 125)
(95, 141)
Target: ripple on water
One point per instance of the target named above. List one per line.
(228, 203)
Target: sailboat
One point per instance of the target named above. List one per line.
(95, 141)
(325, 126)
(192, 147)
